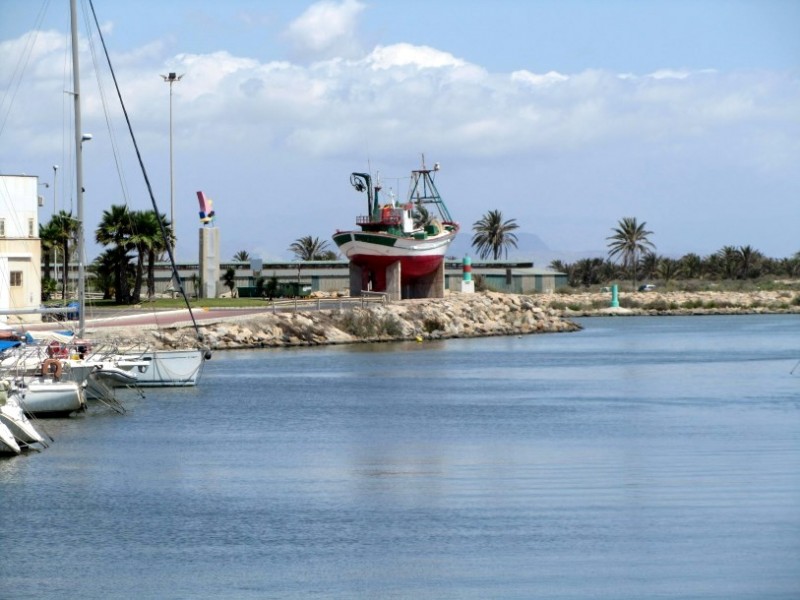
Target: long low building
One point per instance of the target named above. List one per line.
(334, 277)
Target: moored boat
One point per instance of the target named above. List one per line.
(48, 397)
(167, 368)
(13, 417)
(8, 443)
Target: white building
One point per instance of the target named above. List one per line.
(20, 249)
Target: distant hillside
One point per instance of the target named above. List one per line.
(529, 247)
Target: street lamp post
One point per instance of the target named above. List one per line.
(55, 174)
(55, 248)
(171, 78)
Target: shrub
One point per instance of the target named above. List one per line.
(369, 324)
(431, 324)
(692, 304)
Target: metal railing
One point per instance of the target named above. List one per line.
(297, 304)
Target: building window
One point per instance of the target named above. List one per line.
(16, 278)
(30, 228)
(2, 228)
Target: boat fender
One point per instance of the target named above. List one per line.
(52, 367)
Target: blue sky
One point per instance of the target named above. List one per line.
(565, 115)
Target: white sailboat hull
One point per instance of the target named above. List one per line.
(52, 398)
(8, 443)
(168, 368)
(12, 416)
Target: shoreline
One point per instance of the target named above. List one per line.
(483, 314)
(673, 303)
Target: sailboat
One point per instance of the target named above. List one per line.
(8, 443)
(155, 368)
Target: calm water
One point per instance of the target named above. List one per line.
(639, 458)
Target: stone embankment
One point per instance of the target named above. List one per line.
(673, 303)
(457, 315)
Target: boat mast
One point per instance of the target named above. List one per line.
(76, 93)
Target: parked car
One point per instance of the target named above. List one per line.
(72, 311)
(648, 287)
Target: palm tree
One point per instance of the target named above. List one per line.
(668, 269)
(65, 231)
(158, 246)
(421, 215)
(229, 279)
(48, 236)
(589, 271)
(493, 236)
(104, 268)
(629, 240)
(241, 256)
(691, 265)
(749, 262)
(791, 266)
(308, 248)
(728, 262)
(145, 237)
(115, 230)
(648, 264)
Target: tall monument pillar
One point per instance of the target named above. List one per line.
(209, 250)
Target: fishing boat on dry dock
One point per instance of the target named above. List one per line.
(409, 238)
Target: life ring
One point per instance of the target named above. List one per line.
(52, 367)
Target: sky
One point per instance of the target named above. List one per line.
(565, 115)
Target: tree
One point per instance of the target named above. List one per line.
(648, 265)
(493, 236)
(308, 248)
(104, 269)
(691, 266)
(749, 262)
(726, 262)
(629, 240)
(229, 279)
(421, 215)
(668, 269)
(327, 255)
(64, 232)
(145, 238)
(241, 256)
(157, 249)
(115, 230)
(48, 237)
(589, 271)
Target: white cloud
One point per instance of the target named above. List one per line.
(582, 137)
(403, 55)
(670, 74)
(533, 79)
(326, 29)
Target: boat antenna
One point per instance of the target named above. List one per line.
(147, 179)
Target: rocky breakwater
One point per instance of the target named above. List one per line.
(587, 304)
(457, 315)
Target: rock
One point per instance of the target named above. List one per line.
(457, 315)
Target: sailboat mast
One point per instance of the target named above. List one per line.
(76, 92)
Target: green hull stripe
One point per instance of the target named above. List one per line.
(374, 239)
